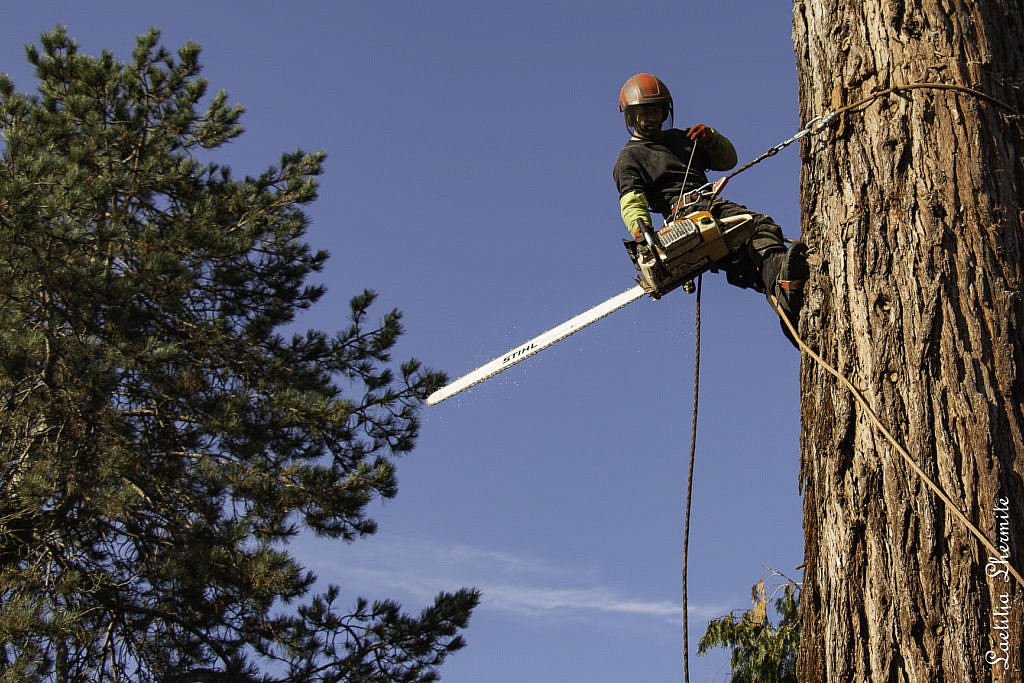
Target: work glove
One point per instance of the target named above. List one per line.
(638, 230)
(700, 133)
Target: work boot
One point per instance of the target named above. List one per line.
(789, 286)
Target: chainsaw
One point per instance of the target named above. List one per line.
(683, 249)
(667, 259)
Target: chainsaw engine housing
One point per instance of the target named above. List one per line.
(683, 249)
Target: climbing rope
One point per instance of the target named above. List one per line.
(689, 485)
(825, 120)
(817, 125)
(873, 417)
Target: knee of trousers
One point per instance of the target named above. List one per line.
(767, 236)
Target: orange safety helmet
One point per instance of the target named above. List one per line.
(643, 89)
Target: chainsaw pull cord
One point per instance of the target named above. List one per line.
(689, 485)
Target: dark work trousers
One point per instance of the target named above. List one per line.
(757, 264)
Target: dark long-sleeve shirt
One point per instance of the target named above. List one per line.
(658, 169)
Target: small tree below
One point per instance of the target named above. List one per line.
(760, 652)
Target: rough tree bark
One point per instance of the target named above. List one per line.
(915, 204)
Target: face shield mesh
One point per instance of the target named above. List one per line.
(648, 120)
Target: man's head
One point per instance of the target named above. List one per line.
(646, 104)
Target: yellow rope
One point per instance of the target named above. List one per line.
(859, 396)
(924, 86)
(816, 126)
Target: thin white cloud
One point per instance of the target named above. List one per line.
(510, 583)
(533, 600)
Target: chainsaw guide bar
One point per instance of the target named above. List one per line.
(673, 256)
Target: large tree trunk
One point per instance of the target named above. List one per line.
(914, 204)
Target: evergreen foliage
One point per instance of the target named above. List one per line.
(161, 439)
(760, 653)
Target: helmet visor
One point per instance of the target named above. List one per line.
(648, 120)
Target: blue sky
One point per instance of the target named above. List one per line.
(468, 181)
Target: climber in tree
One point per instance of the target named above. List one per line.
(661, 165)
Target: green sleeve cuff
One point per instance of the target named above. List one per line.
(721, 153)
(633, 206)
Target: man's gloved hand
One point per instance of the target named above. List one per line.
(700, 133)
(638, 230)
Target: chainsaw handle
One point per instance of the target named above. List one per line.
(652, 239)
(649, 235)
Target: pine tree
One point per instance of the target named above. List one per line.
(161, 438)
(913, 199)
